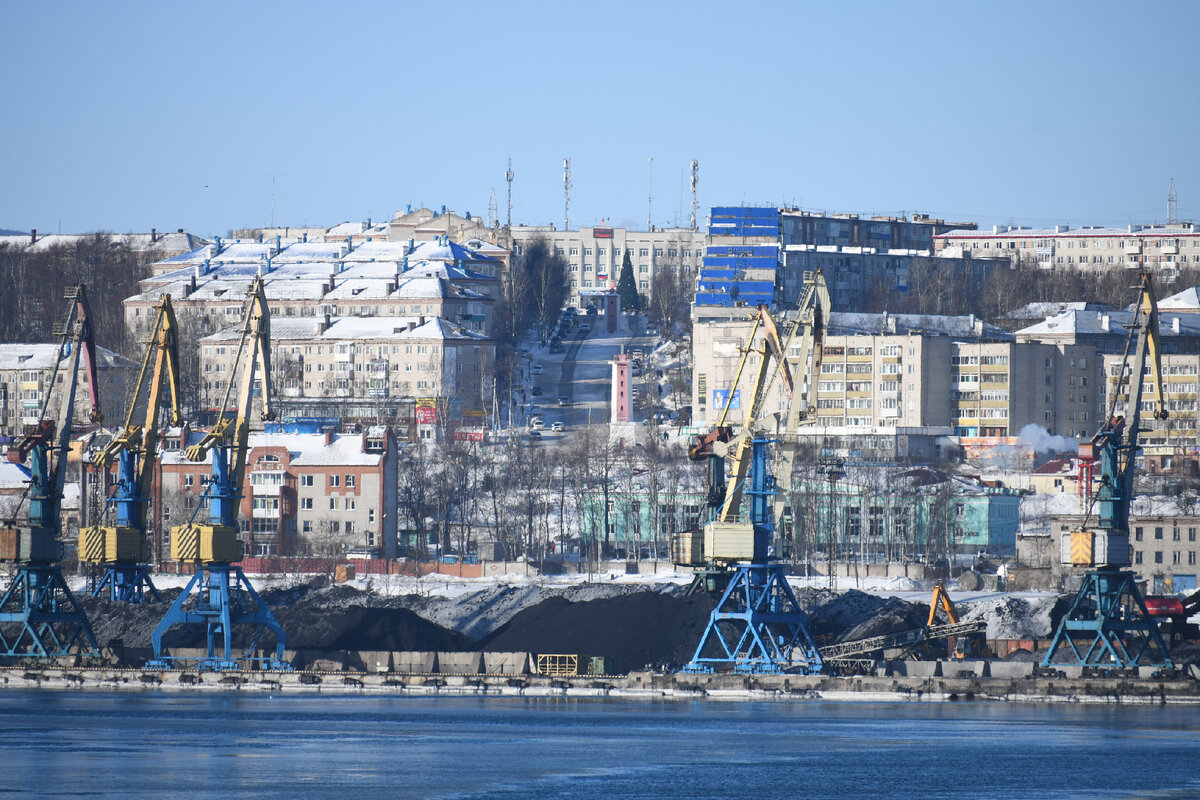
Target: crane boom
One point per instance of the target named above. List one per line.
(123, 548)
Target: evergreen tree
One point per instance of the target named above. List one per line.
(627, 288)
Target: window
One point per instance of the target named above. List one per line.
(1137, 557)
(1137, 534)
(306, 480)
(349, 527)
(335, 480)
(332, 503)
(1158, 532)
(370, 515)
(349, 480)
(308, 527)
(1158, 557)
(306, 503)
(187, 480)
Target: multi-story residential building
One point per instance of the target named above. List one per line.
(1167, 445)
(305, 494)
(594, 255)
(1164, 544)
(153, 244)
(1164, 248)
(28, 372)
(388, 363)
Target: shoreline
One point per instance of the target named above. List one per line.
(643, 686)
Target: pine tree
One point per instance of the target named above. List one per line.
(626, 287)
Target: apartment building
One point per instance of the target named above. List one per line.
(1164, 544)
(1170, 444)
(594, 255)
(305, 494)
(1164, 248)
(28, 373)
(376, 360)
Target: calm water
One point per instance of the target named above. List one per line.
(62, 745)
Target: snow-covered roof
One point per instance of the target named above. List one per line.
(13, 477)
(842, 323)
(1187, 300)
(376, 250)
(443, 269)
(1100, 323)
(41, 356)
(1009, 232)
(447, 251)
(359, 328)
(1045, 310)
(305, 449)
(311, 251)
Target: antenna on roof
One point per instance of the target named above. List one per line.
(508, 176)
(1172, 205)
(566, 194)
(695, 186)
(491, 221)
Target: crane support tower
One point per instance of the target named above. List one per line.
(1108, 624)
(224, 598)
(758, 626)
(39, 616)
(123, 550)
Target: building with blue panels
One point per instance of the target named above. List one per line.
(741, 259)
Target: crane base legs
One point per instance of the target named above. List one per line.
(223, 599)
(128, 584)
(39, 617)
(757, 627)
(1108, 626)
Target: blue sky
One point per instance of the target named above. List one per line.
(168, 115)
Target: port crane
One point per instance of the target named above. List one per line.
(39, 615)
(1108, 624)
(123, 549)
(758, 626)
(224, 598)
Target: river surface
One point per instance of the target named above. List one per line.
(66, 745)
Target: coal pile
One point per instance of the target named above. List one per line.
(634, 630)
(893, 616)
(366, 628)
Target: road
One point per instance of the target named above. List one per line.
(583, 373)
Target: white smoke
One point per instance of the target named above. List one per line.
(1038, 438)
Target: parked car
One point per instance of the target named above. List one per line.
(537, 391)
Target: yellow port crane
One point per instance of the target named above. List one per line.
(225, 598)
(124, 548)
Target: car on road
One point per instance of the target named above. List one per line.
(585, 328)
(537, 391)
(558, 427)
(536, 369)
(535, 436)
(563, 400)
(536, 423)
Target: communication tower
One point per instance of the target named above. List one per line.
(492, 218)
(695, 186)
(508, 176)
(650, 200)
(566, 194)
(1172, 205)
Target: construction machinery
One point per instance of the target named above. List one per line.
(858, 654)
(224, 598)
(1108, 624)
(39, 616)
(122, 550)
(757, 626)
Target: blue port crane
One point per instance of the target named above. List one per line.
(122, 550)
(39, 616)
(224, 598)
(757, 625)
(1107, 625)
